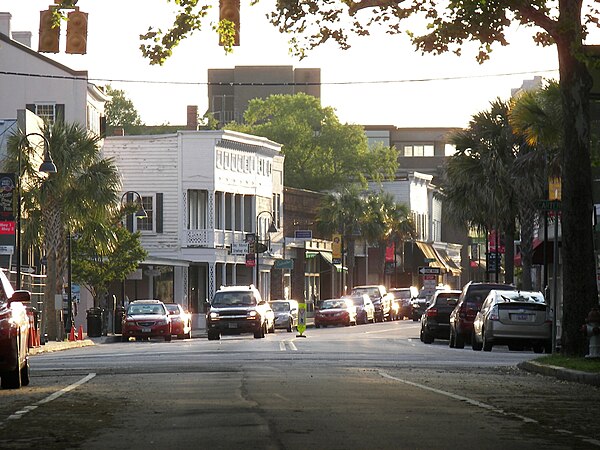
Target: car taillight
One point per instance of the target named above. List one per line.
(494, 314)
(432, 312)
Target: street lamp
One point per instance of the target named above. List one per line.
(272, 229)
(128, 197)
(47, 166)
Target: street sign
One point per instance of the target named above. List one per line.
(549, 205)
(303, 234)
(239, 248)
(430, 277)
(283, 264)
(7, 249)
(301, 319)
(430, 270)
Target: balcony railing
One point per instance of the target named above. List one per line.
(211, 238)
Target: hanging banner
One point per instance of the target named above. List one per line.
(389, 252)
(336, 248)
(7, 193)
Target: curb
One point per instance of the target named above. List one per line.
(577, 376)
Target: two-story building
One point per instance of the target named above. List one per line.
(207, 195)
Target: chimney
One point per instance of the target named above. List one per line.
(192, 117)
(5, 23)
(24, 37)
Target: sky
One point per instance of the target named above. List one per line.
(380, 80)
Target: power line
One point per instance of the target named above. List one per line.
(327, 83)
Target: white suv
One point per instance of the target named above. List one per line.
(239, 309)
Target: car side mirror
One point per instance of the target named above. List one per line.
(21, 296)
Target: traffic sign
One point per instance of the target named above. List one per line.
(284, 264)
(430, 270)
(549, 205)
(303, 234)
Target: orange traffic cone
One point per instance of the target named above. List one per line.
(80, 333)
(72, 334)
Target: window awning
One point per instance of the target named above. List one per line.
(451, 266)
(431, 255)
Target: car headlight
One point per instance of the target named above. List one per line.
(252, 314)
(214, 316)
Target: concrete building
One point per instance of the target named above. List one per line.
(206, 195)
(230, 90)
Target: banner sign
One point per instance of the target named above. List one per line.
(7, 228)
(7, 193)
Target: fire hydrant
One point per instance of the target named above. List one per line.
(592, 330)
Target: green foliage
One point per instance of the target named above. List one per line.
(120, 112)
(320, 152)
(99, 262)
(591, 365)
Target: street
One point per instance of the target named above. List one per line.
(361, 387)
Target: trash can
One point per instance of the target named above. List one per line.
(119, 314)
(94, 322)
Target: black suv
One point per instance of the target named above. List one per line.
(435, 323)
(469, 303)
(239, 309)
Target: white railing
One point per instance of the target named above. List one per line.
(211, 238)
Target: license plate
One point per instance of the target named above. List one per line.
(521, 317)
(146, 330)
(232, 325)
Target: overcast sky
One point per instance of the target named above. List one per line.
(383, 80)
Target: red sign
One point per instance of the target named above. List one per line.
(429, 277)
(250, 260)
(7, 228)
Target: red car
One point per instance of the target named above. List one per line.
(340, 311)
(181, 321)
(14, 337)
(145, 319)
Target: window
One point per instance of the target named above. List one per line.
(197, 206)
(46, 112)
(146, 223)
(418, 150)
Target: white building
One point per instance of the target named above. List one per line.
(30, 80)
(205, 194)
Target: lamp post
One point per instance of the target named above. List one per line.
(128, 197)
(47, 166)
(272, 229)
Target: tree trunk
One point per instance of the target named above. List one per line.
(49, 311)
(527, 224)
(509, 254)
(580, 293)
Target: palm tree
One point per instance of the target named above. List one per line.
(343, 212)
(85, 188)
(385, 221)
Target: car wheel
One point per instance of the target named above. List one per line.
(12, 379)
(427, 338)
(213, 335)
(290, 326)
(25, 373)
(272, 328)
(168, 338)
(451, 341)
(421, 335)
(459, 341)
(487, 345)
(538, 348)
(181, 336)
(477, 346)
(189, 334)
(548, 347)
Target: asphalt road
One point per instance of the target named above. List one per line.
(366, 387)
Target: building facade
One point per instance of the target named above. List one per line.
(207, 194)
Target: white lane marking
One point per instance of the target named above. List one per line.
(290, 344)
(482, 405)
(54, 396)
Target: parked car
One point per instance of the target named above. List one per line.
(403, 296)
(469, 304)
(337, 311)
(519, 319)
(417, 308)
(145, 319)
(14, 336)
(365, 310)
(435, 323)
(237, 310)
(382, 300)
(286, 314)
(181, 321)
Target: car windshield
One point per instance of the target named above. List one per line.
(280, 306)
(358, 301)
(173, 309)
(371, 292)
(234, 299)
(401, 294)
(334, 304)
(145, 309)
